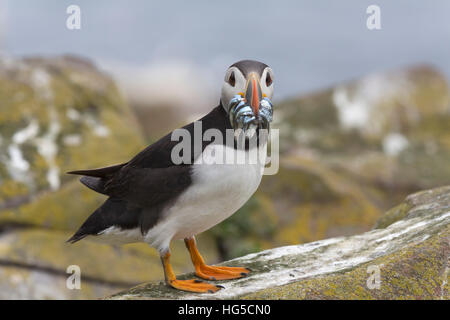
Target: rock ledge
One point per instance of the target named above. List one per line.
(411, 255)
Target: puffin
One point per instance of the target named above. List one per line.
(174, 189)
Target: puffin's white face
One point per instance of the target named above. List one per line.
(253, 87)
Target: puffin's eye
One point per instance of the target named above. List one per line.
(268, 80)
(232, 79)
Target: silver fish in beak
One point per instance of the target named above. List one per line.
(244, 116)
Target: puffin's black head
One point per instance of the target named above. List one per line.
(253, 80)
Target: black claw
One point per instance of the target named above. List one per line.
(243, 274)
(198, 281)
(249, 270)
(212, 278)
(219, 286)
(210, 291)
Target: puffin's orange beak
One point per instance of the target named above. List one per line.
(253, 93)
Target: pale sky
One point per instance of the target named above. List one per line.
(309, 44)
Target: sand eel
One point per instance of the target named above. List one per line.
(156, 199)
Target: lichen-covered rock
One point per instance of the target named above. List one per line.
(387, 128)
(408, 259)
(56, 115)
(32, 283)
(43, 254)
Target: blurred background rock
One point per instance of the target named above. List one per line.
(58, 114)
(349, 152)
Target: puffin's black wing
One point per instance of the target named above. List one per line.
(147, 179)
(152, 167)
(113, 212)
(147, 187)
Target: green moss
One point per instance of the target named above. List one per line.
(403, 210)
(11, 189)
(395, 214)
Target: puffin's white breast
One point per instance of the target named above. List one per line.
(218, 190)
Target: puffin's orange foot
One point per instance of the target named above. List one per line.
(194, 286)
(221, 273)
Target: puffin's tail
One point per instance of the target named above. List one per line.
(99, 173)
(95, 179)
